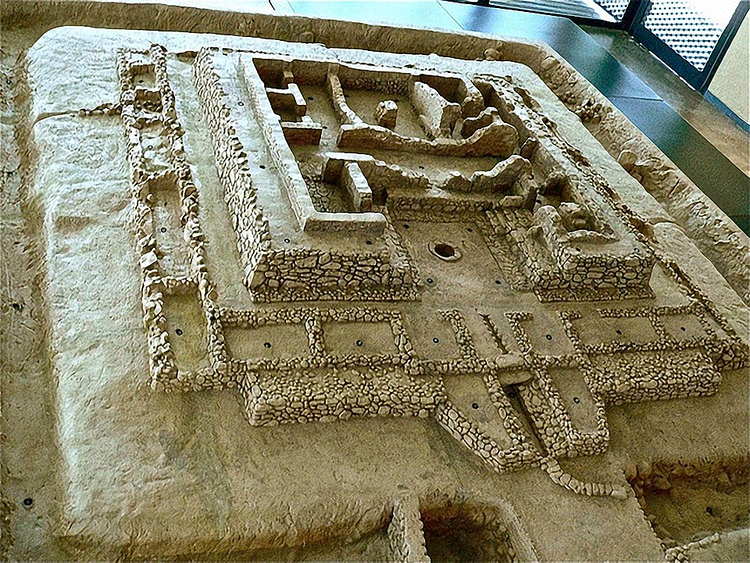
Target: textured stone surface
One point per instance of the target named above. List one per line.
(276, 320)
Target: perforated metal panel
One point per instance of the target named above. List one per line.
(684, 29)
(614, 7)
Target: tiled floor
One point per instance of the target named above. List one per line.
(702, 141)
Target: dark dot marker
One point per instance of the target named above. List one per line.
(262, 167)
(267, 344)
(469, 229)
(140, 81)
(310, 98)
(17, 306)
(710, 510)
(163, 229)
(178, 332)
(429, 280)
(511, 395)
(406, 225)
(286, 240)
(682, 328)
(619, 332)
(474, 406)
(421, 167)
(240, 103)
(548, 337)
(368, 242)
(325, 126)
(436, 340)
(359, 343)
(28, 502)
(497, 282)
(576, 400)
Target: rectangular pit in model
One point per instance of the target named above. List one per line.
(166, 208)
(469, 395)
(187, 331)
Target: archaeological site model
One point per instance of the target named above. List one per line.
(302, 289)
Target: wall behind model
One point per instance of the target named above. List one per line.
(731, 84)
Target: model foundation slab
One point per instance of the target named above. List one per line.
(312, 302)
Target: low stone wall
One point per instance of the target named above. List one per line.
(405, 532)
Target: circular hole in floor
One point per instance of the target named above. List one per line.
(474, 405)
(287, 241)
(444, 251)
(436, 340)
(178, 332)
(28, 502)
(576, 400)
(240, 103)
(163, 229)
(267, 344)
(359, 343)
(548, 337)
(429, 280)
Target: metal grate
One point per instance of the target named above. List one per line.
(616, 8)
(688, 32)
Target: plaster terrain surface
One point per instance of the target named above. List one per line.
(200, 362)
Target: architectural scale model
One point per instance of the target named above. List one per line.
(300, 298)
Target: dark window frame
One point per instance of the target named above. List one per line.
(698, 79)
